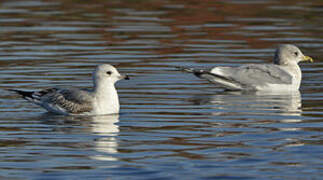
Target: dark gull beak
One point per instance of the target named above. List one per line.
(125, 77)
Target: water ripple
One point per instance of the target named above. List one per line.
(172, 125)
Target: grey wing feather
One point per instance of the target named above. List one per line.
(246, 77)
(257, 74)
(71, 100)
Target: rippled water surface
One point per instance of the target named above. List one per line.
(172, 125)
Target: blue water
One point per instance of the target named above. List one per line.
(172, 125)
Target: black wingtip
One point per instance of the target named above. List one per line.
(180, 68)
(198, 73)
(24, 94)
(13, 90)
(185, 69)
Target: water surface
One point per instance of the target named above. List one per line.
(172, 125)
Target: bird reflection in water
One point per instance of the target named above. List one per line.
(102, 128)
(106, 145)
(287, 104)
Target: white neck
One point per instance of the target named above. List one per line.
(297, 73)
(107, 100)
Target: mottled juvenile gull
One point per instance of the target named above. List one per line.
(284, 74)
(101, 99)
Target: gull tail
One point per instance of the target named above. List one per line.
(203, 74)
(24, 94)
(28, 95)
(225, 82)
(197, 72)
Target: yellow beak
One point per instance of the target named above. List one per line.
(307, 58)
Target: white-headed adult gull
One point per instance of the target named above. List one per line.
(284, 74)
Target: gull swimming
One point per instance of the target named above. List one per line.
(101, 99)
(283, 75)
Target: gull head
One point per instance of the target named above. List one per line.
(287, 54)
(108, 74)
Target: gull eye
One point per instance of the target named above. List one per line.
(109, 72)
(296, 53)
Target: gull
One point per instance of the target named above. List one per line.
(283, 75)
(101, 99)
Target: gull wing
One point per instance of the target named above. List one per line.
(74, 101)
(251, 76)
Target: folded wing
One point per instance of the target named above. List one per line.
(74, 101)
(246, 77)
(59, 100)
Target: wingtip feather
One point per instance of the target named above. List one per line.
(189, 69)
(24, 94)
